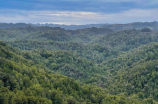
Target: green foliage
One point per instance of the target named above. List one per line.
(123, 63)
(134, 25)
(126, 39)
(135, 72)
(69, 64)
(24, 82)
(146, 30)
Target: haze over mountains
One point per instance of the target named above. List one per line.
(137, 25)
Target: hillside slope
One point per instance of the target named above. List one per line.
(134, 72)
(24, 82)
(127, 39)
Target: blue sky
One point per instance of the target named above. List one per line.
(78, 11)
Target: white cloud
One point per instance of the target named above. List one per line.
(81, 17)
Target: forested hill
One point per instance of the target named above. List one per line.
(134, 25)
(12, 25)
(135, 72)
(83, 66)
(23, 81)
(52, 33)
(94, 44)
(128, 39)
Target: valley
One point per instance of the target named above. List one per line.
(106, 64)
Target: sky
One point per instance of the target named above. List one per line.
(78, 11)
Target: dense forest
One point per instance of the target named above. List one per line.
(110, 64)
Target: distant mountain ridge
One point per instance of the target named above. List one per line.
(137, 25)
(134, 25)
(71, 27)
